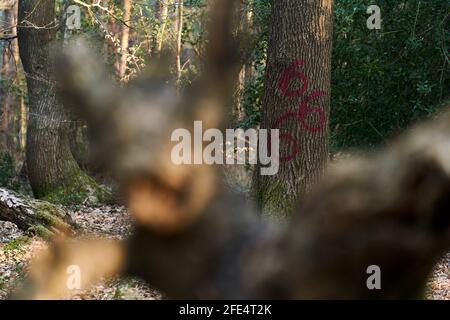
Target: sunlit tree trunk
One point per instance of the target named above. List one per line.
(23, 124)
(124, 43)
(161, 10)
(180, 9)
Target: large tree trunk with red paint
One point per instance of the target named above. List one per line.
(296, 100)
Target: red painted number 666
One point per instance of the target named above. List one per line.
(289, 75)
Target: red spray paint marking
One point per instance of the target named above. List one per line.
(304, 110)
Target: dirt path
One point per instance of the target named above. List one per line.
(16, 250)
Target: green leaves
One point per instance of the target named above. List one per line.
(389, 77)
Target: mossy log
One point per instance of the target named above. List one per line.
(40, 217)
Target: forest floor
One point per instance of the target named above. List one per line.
(113, 222)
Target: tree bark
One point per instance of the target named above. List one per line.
(23, 124)
(52, 169)
(248, 28)
(5, 95)
(180, 9)
(124, 43)
(8, 50)
(300, 31)
(41, 217)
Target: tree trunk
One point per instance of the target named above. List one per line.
(14, 62)
(7, 73)
(179, 24)
(296, 100)
(248, 28)
(23, 124)
(124, 43)
(52, 169)
(238, 112)
(246, 72)
(161, 13)
(28, 214)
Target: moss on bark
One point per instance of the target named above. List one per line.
(274, 202)
(82, 189)
(35, 216)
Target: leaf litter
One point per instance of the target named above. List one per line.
(113, 222)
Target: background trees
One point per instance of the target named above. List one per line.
(10, 100)
(284, 83)
(370, 68)
(368, 210)
(52, 169)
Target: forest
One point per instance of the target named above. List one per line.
(224, 149)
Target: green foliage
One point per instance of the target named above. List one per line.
(41, 231)
(252, 95)
(63, 197)
(8, 171)
(17, 244)
(90, 193)
(384, 80)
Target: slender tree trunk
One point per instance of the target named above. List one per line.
(2, 86)
(9, 62)
(124, 43)
(161, 13)
(180, 9)
(52, 169)
(7, 72)
(13, 66)
(5, 107)
(23, 123)
(113, 30)
(299, 42)
(245, 74)
(239, 113)
(248, 27)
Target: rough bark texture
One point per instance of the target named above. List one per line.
(9, 52)
(37, 216)
(299, 30)
(195, 238)
(52, 169)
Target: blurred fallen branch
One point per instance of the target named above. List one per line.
(194, 238)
